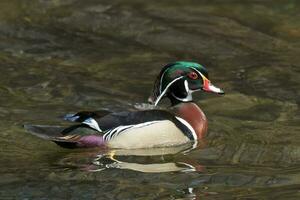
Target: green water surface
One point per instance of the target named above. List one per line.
(61, 56)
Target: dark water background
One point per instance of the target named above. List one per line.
(60, 56)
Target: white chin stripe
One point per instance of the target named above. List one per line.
(189, 92)
(186, 99)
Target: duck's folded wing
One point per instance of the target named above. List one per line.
(102, 121)
(84, 115)
(126, 118)
(116, 123)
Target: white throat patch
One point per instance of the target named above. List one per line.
(189, 92)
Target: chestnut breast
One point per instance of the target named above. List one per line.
(194, 116)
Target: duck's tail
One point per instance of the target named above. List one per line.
(45, 131)
(70, 137)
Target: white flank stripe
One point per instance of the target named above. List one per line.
(189, 127)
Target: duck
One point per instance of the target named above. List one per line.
(182, 122)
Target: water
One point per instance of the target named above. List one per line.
(61, 56)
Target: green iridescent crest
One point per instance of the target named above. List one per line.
(180, 69)
(186, 76)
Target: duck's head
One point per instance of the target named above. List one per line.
(179, 80)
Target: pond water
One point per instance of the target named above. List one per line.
(61, 56)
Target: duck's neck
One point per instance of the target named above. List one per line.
(191, 113)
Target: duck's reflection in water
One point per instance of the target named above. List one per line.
(152, 160)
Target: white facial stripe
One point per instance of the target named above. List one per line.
(189, 96)
(186, 86)
(165, 90)
(187, 99)
(161, 78)
(189, 92)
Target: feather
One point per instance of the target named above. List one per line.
(84, 115)
(71, 137)
(156, 89)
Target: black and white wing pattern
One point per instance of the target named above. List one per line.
(113, 124)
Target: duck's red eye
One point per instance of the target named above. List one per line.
(193, 75)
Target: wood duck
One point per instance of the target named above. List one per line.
(183, 122)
